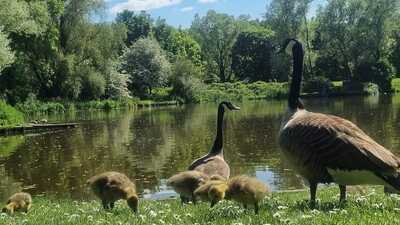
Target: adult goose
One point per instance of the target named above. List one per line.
(213, 164)
(326, 148)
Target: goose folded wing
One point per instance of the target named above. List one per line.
(337, 143)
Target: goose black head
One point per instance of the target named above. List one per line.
(229, 105)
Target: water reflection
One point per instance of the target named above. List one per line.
(151, 145)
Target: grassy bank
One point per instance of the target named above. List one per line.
(9, 116)
(368, 207)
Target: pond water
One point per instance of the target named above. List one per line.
(150, 145)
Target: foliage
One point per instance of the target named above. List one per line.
(6, 55)
(9, 116)
(117, 84)
(93, 85)
(216, 33)
(185, 80)
(241, 91)
(320, 85)
(147, 66)
(138, 25)
(251, 57)
(395, 54)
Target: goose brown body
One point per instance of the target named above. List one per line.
(20, 201)
(214, 163)
(113, 186)
(326, 148)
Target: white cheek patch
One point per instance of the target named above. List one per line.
(355, 177)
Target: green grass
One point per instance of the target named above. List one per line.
(369, 207)
(9, 116)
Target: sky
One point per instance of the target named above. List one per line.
(180, 13)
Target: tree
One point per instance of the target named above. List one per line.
(181, 45)
(6, 55)
(355, 33)
(216, 33)
(251, 57)
(286, 18)
(147, 66)
(138, 25)
(185, 79)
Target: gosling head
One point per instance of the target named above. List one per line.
(133, 203)
(8, 209)
(217, 193)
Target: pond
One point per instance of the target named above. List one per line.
(150, 145)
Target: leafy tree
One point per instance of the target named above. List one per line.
(355, 33)
(138, 25)
(216, 33)
(185, 79)
(286, 18)
(147, 66)
(251, 57)
(6, 55)
(181, 45)
(117, 84)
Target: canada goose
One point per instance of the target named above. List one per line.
(326, 148)
(113, 186)
(213, 163)
(184, 183)
(20, 201)
(246, 190)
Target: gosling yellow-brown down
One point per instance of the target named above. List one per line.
(246, 190)
(184, 183)
(20, 201)
(212, 191)
(113, 186)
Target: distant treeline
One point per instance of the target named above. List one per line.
(53, 49)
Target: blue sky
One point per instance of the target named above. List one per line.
(181, 12)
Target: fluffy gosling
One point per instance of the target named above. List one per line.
(246, 190)
(113, 186)
(20, 201)
(212, 191)
(184, 183)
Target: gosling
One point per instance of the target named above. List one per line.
(184, 183)
(20, 201)
(246, 190)
(212, 191)
(113, 186)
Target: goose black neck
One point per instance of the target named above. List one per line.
(217, 146)
(294, 91)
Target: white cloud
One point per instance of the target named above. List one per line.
(207, 1)
(187, 9)
(138, 5)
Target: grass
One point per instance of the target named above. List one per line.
(9, 116)
(369, 207)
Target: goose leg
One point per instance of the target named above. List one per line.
(313, 192)
(342, 193)
(256, 208)
(105, 204)
(183, 199)
(111, 205)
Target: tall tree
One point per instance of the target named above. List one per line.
(138, 25)
(216, 33)
(147, 66)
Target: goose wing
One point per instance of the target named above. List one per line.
(336, 143)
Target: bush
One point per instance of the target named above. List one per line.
(93, 86)
(321, 85)
(9, 116)
(185, 80)
(32, 106)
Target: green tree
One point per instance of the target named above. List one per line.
(216, 33)
(147, 66)
(251, 56)
(138, 25)
(185, 79)
(6, 55)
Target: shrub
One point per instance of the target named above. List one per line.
(185, 80)
(322, 85)
(9, 116)
(93, 86)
